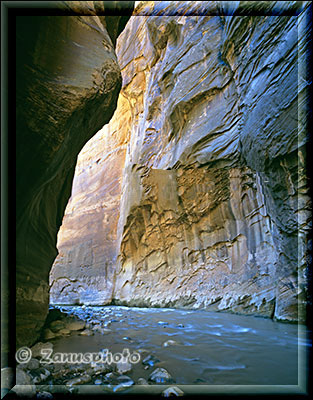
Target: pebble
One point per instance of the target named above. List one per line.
(141, 351)
(79, 380)
(98, 382)
(33, 363)
(98, 368)
(86, 332)
(169, 343)
(105, 331)
(142, 381)
(150, 360)
(75, 325)
(122, 367)
(122, 386)
(172, 391)
(125, 379)
(160, 375)
(36, 349)
(110, 375)
(39, 375)
(64, 331)
(122, 382)
(56, 325)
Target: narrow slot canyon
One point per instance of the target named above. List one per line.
(163, 203)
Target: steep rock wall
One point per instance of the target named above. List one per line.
(213, 197)
(68, 81)
(85, 268)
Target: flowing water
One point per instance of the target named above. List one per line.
(210, 348)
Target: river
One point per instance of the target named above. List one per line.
(207, 348)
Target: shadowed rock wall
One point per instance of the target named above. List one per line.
(212, 209)
(68, 81)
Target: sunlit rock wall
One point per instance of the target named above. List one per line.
(212, 199)
(84, 270)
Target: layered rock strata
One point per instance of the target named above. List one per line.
(68, 81)
(213, 207)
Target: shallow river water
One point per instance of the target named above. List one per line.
(210, 348)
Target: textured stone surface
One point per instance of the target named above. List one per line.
(212, 207)
(84, 270)
(68, 80)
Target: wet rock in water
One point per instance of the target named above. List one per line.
(38, 347)
(80, 380)
(180, 326)
(106, 330)
(55, 326)
(150, 360)
(117, 383)
(65, 369)
(98, 382)
(122, 367)
(48, 334)
(86, 332)
(110, 376)
(33, 363)
(125, 384)
(110, 379)
(142, 381)
(142, 351)
(39, 375)
(44, 396)
(128, 338)
(103, 331)
(170, 343)
(160, 375)
(75, 325)
(172, 391)
(99, 368)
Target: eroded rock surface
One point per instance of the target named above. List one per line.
(210, 206)
(68, 81)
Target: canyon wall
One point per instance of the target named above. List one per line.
(197, 193)
(68, 80)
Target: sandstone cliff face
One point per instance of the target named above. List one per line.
(212, 206)
(68, 81)
(84, 270)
